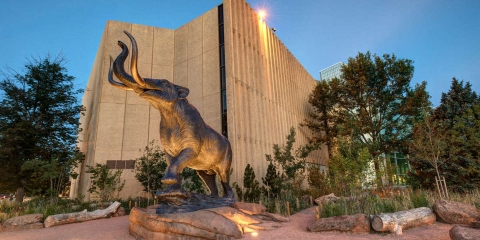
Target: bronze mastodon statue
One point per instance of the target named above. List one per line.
(188, 141)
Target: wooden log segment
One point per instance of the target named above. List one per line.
(397, 221)
(60, 219)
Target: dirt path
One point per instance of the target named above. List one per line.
(117, 228)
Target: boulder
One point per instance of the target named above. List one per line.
(249, 208)
(346, 223)
(30, 221)
(120, 212)
(271, 217)
(327, 199)
(456, 212)
(459, 232)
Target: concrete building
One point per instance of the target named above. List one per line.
(242, 79)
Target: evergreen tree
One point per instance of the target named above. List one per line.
(371, 103)
(457, 119)
(251, 186)
(39, 120)
(272, 181)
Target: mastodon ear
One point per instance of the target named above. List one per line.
(182, 91)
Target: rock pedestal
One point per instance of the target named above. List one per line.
(201, 219)
(455, 212)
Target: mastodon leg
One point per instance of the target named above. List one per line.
(172, 175)
(209, 180)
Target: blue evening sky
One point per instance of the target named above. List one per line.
(441, 37)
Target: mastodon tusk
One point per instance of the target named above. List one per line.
(133, 66)
(112, 81)
(118, 68)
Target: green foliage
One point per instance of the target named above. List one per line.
(105, 182)
(251, 187)
(150, 168)
(272, 181)
(191, 181)
(419, 200)
(456, 125)
(349, 167)
(39, 120)
(318, 181)
(372, 103)
(291, 167)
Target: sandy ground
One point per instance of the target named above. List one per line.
(117, 228)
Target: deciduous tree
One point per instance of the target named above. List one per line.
(371, 103)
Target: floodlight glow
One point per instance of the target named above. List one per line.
(262, 14)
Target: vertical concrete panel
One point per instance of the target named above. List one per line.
(109, 135)
(195, 77)
(154, 125)
(211, 72)
(136, 128)
(181, 45)
(210, 28)
(180, 74)
(195, 37)
(211, 113)
(163, 47)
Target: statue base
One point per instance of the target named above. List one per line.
(200, 216)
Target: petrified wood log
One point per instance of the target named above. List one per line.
(346, 223)
(396, 222)
(60, 219)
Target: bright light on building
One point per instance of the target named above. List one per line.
(254, 234)
(262, 14)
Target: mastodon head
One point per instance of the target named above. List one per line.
(156, 91)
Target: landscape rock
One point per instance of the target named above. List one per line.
(327, 199)
(120, 212)
(476, 224)
(459, 232)
(346, 223)
(271, 217)
(249, 208)
(30, 221)
(456, 212)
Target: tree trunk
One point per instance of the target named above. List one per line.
(378, 174)
(82, 216)
(19, 194)
(396, 222)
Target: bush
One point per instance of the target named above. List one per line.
(105, 182)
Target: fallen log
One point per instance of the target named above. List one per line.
(397, 221)
(60, 219)
(346, 223)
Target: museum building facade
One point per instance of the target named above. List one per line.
(244, 82)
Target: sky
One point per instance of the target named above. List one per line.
(441, 37)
